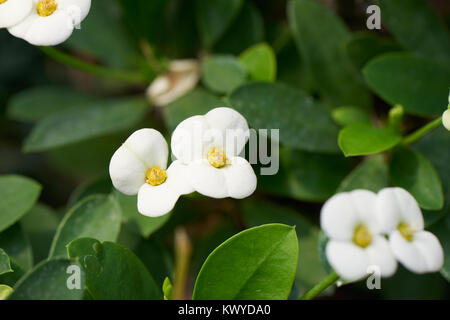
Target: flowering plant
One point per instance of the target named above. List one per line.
(224, 149)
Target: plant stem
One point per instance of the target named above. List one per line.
(124, 76)
(419, 133)
(183, 252)
(318, 288)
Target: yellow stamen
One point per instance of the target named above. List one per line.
(3, 1)
(362, 236)
(406, 231)
(155, 176)
(217, 158)
(46, 8)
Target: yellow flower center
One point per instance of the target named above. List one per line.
(406, 231)
(217, 158)
(46, 8)
(155, 176)
(362, 236)
(3, 1)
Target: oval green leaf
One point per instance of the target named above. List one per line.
(222, 74)
(303, 123)
(113, 272)
(77, 125)
(5, 264)
(419, 85)
(413, 172)
(257, 264)
(261, 62)
(18, 194)
(363, 139)
(95, 216)
(48, 281)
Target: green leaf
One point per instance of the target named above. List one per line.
(246, 30)
(5, 291)
(38, 103)
(419, 85)
(167, 289)
(303, 124)
(222, 74)
(17, 246)
(48, 281)
(418, 27)
(5, 264)
(214, 17)
(320, 36)
(17, 196)
(256, 264)
(363, 47)
(347, 115)
(78, 125)
(113, 272)
(110, 45)
(260, 62)
(309, 267)
(413, 172)
(371, 174)
(196, 102)
(139, 223)
(362, 139)
(95, 216)
(40, 225)
(306, 176)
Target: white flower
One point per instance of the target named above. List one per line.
(14, 11)
(446, 119)
(50, 22)
(182, 77)
(399, 216)
(355, 242)
(210, 146)
(139, 167)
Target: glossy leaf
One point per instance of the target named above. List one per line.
(214, 17)
(5, 264)
(95, 216)
(78, 125)
(371, 174)
(303, 123)
(419, 85)
(256, 264)
(413, 172)
(222, 74)
(363, 139)
(113, 272)
(260, 62)
(345, 116)
(17, 196)
(320, 36)
(48, 281)
(309, 268)
(417, 26)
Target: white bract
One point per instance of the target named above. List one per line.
(446, 119)
(400, 216)
(210, 146)
(182, 77)
(355, 239)
(139, 167)
(14, 11)
(49, 22)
